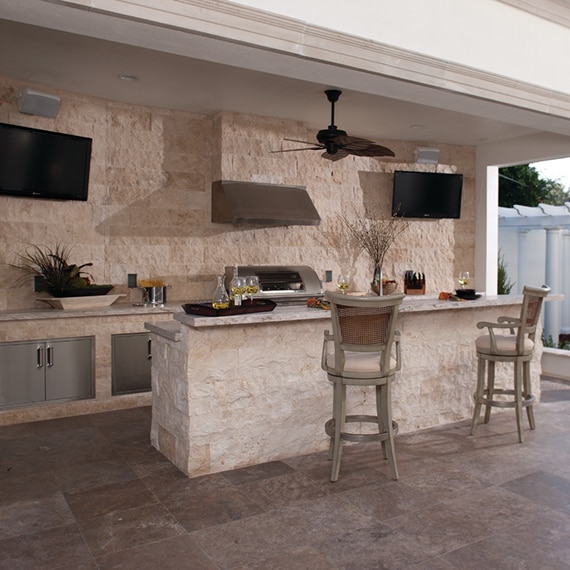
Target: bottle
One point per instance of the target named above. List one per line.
(221, 299)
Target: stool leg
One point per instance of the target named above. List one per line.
(527, 392)
(339, 414)
(478, 394)
(518, 397)
(384, 410)
(490, 389)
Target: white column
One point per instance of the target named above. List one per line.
(521, 260)
(565, 321)
(553, 310)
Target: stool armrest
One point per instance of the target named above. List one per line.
(397, 338)
(503, 325)
(328, 338)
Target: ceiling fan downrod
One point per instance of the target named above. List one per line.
(332, 96)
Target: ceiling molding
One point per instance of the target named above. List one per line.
(557, 11)
(252, 29)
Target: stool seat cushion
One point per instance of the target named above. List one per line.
(506, 345)
(360, 362)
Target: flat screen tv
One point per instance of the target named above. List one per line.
(426, 195)
(43, 164)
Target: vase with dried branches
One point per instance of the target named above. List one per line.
(375, 237)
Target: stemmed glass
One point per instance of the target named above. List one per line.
(237, 289)
(463, 279)
(251, 286)
(343, 282)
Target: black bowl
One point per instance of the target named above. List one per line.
(465, 293)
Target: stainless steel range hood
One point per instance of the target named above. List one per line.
(268, 204)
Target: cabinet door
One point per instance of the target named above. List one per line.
(69, 368)
(131, 363)
(22, 373)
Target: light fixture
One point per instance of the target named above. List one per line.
(426, 155)
(128, 77)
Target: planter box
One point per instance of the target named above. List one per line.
(556, 363)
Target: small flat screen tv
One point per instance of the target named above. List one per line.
(426, 195)
(43, 164)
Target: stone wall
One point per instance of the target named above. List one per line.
(148, 210)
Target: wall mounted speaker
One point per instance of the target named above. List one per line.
(36, 103)
(425, 155)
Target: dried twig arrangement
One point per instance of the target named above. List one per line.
(343, 242)
(375, 236)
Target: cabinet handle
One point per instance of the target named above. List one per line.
(149, 349)
(49, 355)
(39, 357)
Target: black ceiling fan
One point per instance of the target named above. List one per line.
(336, 143)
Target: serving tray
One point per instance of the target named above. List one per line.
(206, 309)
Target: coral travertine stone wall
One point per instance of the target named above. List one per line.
(148, 210)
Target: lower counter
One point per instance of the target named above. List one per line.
(230, 392)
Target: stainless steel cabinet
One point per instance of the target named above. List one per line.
(131, 363)
(46, 370)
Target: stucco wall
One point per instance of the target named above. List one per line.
(148, 210)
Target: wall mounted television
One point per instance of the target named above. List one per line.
(43, 164)
(426, 194)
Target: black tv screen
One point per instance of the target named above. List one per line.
(426, 195)
(43, 164)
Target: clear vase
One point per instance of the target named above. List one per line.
(220, 299)
(376, 284)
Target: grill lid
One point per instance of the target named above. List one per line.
(281, 282)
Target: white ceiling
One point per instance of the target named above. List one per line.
(282, 88)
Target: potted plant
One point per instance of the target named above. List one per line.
(55, 274)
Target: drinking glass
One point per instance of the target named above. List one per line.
(343, 282)
(252, 285)
(237, 289)
(463, 279)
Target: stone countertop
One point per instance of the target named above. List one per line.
(411, 304)
(117, 309)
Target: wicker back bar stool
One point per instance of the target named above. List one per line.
(363, 350)
(508, 340)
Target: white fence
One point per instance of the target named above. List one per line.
(535, 244)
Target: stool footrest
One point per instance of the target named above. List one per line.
(360, 437)
(484, 399)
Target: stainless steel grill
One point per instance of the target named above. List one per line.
(283, 284)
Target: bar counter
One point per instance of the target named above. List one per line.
(240, 390)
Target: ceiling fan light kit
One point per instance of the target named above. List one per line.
(337, 143)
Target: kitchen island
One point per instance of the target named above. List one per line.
(240, 390)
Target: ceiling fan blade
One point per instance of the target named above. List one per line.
(372, 150)
(362, 147)
(304, 142)
(297, 149)
(340, 153)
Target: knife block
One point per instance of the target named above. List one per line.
(409, 291)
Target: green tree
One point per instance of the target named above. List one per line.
(522, 184)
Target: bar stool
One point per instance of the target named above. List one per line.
(516, 347)
(363, 350)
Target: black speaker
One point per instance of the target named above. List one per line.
(36, 103)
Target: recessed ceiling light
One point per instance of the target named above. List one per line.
(128, 77)
(417, 127)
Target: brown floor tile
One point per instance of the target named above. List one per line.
(108, 498)
(54, 548)
(120, 530)
(175, 553)
(32, 515)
